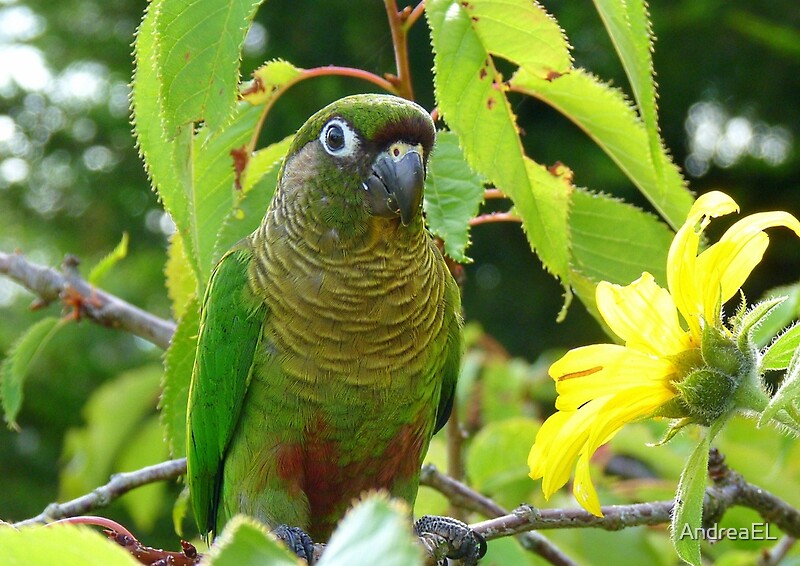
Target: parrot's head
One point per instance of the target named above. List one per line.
(361, 161)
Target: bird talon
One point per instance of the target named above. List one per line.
(462, 542)
(297, 540)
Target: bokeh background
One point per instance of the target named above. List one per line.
(71, 181)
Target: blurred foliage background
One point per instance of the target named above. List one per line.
(71, 182)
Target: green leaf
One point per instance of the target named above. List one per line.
(181, 281)
(269, 79)
(65, 545)
(165, 159)
(521, 32)
(259, 182)
(453, 194)
(104, 265)
(145, 447)
(20, 357)
(180, 510)
(614, 241)
(211, 191)
(198, 57)
(607, 117)
(471, 97)
(787, 397)
(178, 365)
(113, 414)
(780, 317)
(628, 26)
(376, 526)
(781, 351)
(497, 459)
(688, 514)
(245, 541)
(263, 162)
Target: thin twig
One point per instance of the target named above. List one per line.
(494, 217)
(119, 485)
(494, 194)
(67, 285)
(778, 552)
(412, 16)
(455, 458)
(397, 19)
(465, 497)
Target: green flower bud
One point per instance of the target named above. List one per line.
(707, 393)
(721, 352)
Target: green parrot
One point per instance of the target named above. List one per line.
(330, 338)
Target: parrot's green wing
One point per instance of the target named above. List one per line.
(452, 352)
(230, 329)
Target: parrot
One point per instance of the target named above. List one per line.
(330, 338)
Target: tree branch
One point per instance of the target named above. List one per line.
(98, 306)
(729, 489)
(461, 495)
(119, 485)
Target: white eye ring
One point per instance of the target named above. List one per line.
(338, 138)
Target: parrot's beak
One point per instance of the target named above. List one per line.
(394, 187)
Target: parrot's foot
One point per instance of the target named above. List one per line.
(462, 542)
(297, 540)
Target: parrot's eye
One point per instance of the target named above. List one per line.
(338, 138)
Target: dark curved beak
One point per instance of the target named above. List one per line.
(394, 187)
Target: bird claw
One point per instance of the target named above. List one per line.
(297, 540)
(462, 542)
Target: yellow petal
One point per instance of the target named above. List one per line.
(724, 267)
(537, 458)
(623, 408)
(569, 442)
(598, 370)
(722, 270)
(583, 488)
(683, 285)
(644, 315)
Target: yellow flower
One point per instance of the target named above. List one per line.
(602, 387)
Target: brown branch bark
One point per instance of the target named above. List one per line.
(465, 497)
(119, 485)
(68, 286)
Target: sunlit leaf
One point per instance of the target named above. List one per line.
(780, 352)
(497, 459)
(178, 364)
(787, 397)
(245, 541)
(144, 448)
(628, 26)
(688, 514)
(781, 316)
(608, 118)
(374, 527)
(261, 179)
(472, 99)
(65, 545)
(112, 415)
(211, 192)
(453, 194)
(180, 279)
(104, 265)
(615, 241)
(262, 162)
(164, 159)
(198, 57)
(268, 79)
(19, 359)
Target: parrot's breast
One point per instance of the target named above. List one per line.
(347, 379)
